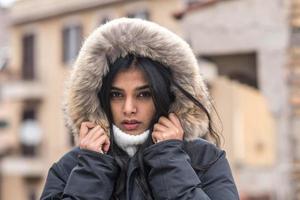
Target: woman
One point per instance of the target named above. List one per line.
(139, 107)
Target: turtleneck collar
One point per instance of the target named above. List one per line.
(129, 143)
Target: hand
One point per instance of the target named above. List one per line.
(93, 137)
(167, 129)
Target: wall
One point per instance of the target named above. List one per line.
(52, 72)
(232, 27)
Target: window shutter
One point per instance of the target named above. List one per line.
(72, 39)
(28, 57)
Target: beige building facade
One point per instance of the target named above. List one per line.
(45, 39)
(46, 36)
(255, 43)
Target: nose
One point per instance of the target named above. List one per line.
(129, 107)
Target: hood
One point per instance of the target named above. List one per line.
(140, 37)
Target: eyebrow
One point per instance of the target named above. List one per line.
(138, 88)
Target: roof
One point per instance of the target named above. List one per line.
(195, 5)
(26, 11)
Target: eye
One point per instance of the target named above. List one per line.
(115, 94)
(144, 94)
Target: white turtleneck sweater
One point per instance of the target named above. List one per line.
(129, 143)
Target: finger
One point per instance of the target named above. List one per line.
(88, 124)
(84, 128)
(154, 136)
(98, 133)
(106, 144)
(165, 122)
(101, 143)
(175, 120)
(179, 130)
(94, 146)
(92, 132)
(82, 143)
(157, 136)
(159, 127)
(88, 142)
(169, 124)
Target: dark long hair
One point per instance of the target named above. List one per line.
(160, 79)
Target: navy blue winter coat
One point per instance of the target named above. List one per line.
(177, 170)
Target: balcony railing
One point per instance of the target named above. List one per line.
(22, 166)
(21, 90)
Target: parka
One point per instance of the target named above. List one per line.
(190, 169)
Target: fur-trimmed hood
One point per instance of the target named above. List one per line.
(118, 38)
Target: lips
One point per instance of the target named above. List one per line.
(131, 125)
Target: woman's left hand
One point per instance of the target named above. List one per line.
(167, 129)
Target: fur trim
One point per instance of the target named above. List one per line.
(118, 38)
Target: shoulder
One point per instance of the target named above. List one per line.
(70, 157)
(67, 162)
(212, 167)
(203, 153)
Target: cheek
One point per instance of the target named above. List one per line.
(150, 111)
(114, 111)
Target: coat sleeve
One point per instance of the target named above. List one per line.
(171, 175)
(93, 177)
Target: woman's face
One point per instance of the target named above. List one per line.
(131, 101)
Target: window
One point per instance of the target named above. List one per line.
(104, 20)
(190, 2)
(3, 124)
(3, 58)
(295, 37)
(142, 14)
(30, 130)
(238, 67)
(72, 38)
(28, 57)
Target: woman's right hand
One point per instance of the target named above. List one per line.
(93, 137)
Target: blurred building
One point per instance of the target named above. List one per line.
(4, 56)
(249, 55)
(45, 39)
(294, 92)
(254, 45)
